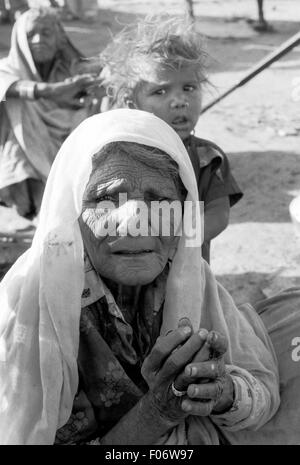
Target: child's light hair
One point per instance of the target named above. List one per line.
(164, 40)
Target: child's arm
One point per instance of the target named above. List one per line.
(216, 217)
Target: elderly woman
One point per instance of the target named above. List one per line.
(119, 333)
(41, 101)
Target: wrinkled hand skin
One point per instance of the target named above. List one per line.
(167, 359)
(209, 387)
(67, 93)
(195, 363)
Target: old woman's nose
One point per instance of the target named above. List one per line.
(133, 219)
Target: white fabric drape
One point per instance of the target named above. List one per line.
(40, 296)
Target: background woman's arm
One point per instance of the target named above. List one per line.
(65, 93)
(22, 89)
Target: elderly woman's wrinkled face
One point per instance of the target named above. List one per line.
(125, 259)
(42, 36)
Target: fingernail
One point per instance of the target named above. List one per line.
(193, 371)
(188, 371)
(186, 330)
(194, 392)
(186, 406)
(212, 337)
(203, 333)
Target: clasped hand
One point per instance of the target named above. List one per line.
(77, 91)
(193, 362)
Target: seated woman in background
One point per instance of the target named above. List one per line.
(42, 98)
(91, 315)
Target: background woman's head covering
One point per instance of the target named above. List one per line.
(20, 59)
(40, 297)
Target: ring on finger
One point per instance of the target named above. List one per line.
(176, 392)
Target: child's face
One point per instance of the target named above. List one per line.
(172, 95)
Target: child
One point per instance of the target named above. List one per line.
(158, 66)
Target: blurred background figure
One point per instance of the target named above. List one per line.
(190, 9)
(260, 4)
(68, 10)
(261, 25)
(11, 9)
(45, 92)
(77, 9)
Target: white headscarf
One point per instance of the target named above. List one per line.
(40, 296)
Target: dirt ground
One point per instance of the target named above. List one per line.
(258, 126)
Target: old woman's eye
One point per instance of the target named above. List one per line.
(154, 197)
(105, 205)
(106, 197)
(165, 199)
(47, 33)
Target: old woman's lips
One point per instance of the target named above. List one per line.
(132, 247)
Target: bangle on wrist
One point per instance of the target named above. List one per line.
(42, 90)
(158, 413)
(27, 90)
(232, 405)
(35, 92)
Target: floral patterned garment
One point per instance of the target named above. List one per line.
(113, 346)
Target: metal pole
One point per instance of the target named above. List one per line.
(259, 67)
